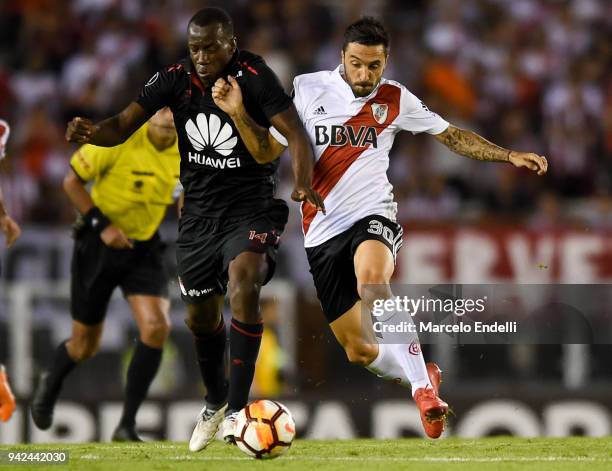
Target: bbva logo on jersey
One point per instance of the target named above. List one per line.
(345, 134)
(208, 134)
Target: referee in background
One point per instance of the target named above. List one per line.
(117, 244)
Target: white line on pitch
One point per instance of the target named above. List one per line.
(377, 458)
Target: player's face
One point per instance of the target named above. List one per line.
(162, 124)
(210, 48)
(363, 67)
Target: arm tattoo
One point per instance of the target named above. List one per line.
(253, 132)
(470, 144)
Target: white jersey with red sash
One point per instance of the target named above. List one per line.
(351, 138)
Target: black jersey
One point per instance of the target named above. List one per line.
(218, 174)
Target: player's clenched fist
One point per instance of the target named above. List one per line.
(7, 400)
(228, 95)
(80, 130)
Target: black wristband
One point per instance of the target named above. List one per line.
(95, 220)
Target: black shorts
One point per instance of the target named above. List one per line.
(98, 269)
(206, 246)
(332, 266)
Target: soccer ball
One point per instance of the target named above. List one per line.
(264, 429)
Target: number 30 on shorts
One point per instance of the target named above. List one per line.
(395, 241)
(378, 228)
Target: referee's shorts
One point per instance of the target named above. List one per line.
(98, 269)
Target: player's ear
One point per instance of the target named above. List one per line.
(234, 43)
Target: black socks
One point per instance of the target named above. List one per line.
(141, 372)
(61, 367)
(245, 340)
(210, 351)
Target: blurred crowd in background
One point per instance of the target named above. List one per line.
(531, 75)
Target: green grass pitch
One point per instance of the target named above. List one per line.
(499, 453)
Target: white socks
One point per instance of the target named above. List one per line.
(401, 363)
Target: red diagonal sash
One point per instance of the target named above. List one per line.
(335, 161)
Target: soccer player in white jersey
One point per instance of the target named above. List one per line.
(352, 115)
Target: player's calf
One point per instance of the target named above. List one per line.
(247, 273)
(360, 353)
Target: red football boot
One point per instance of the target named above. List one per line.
(433, 409)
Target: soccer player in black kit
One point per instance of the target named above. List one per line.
(231, 223)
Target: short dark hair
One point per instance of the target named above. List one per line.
(367, 31)
(211, 15)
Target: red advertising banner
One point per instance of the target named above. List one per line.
(504, 253)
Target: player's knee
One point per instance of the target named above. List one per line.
(155, 331)
(360, 353)
(243, 290)
(83, 347)
(202, 321)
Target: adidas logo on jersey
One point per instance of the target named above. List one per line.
(320, 111)
(207, 134)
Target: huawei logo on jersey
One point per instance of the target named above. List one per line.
(342, 135)
(207, 134)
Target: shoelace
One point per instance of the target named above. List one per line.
(208, 413)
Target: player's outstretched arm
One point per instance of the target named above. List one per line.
(110, 132)
(288, 123)
(7, 400)
(259, 142)
(470, 144)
